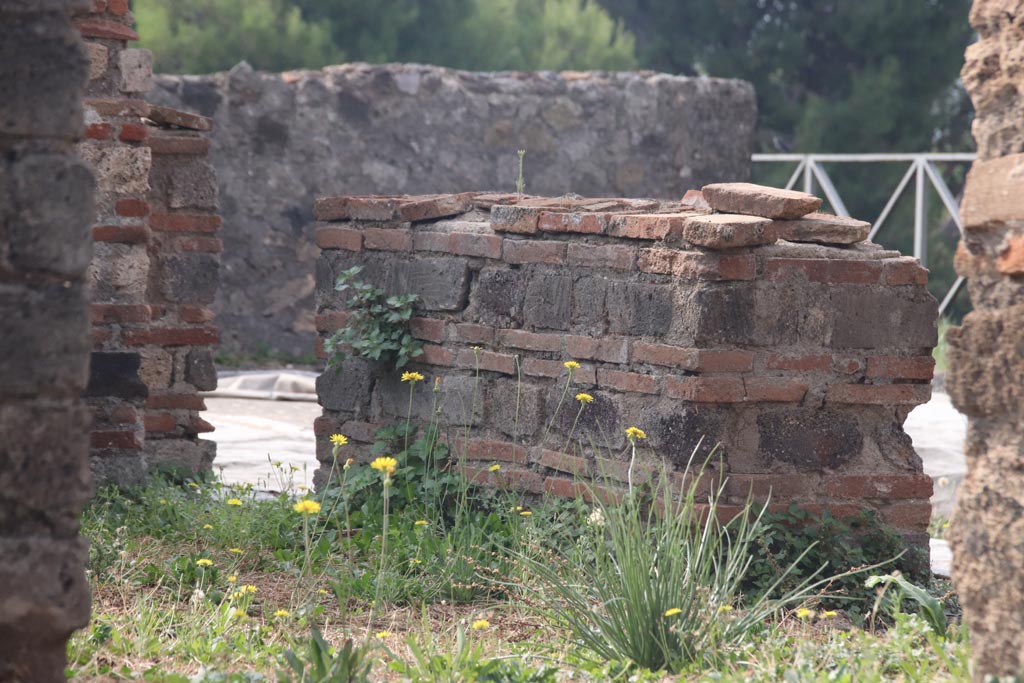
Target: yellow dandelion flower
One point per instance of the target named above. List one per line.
(348, 463)
(276, 463)
(480, 625)
(163, 501)
(476, 348)
(412, 377)
(307, 507)
(234, 501)
(417, 560)
(725, 608)
(203, 562)
(385, 464)
(339, 439)
(672, 611)
(193, 485)
(381, 635)
(236, 551)
(294, 468)
(239, 614)
(525, 513)
(571, 365)
(321, 592)
(207, 526)
(584, 398)
(634, 433)
(247, 589)
(804, 613)
(282, 613)
(233, 578)
(420, 522)
(494, 468)
(828, 614)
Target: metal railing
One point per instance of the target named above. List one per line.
(809, 170)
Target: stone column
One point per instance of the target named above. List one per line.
(46, 206)
(986, 355)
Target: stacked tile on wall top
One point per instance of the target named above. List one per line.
(737, 316)
(155, 264)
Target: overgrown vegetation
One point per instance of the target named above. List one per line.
(401, 570)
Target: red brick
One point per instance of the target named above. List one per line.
(118, 7)
(179, 144)
(618, 470)
(724, 360)
(507, 478)
(184, 222)
(627, 381)
(200, 426)
(123, 234)
(427, 329)
(706, 389)
(914, 367)
(160, 422)
(908, 516)
(824, 270)
(469, 244)
(325, 426)
(535, 367)
(534, 251)
(116, 439)
(608, 256)
(120, 313)
(587, 223)
(100, 336)
(99, 131)
(133, 132)
(436, 355)
(696, 265)
(530, 341)
(905, 270)
(771, 389)
(702, 483)
(650, 226)
(819, 362)
(124, 414)
(562, 462)
(888, 487)
(517, 219)
(118, 106)
(166, 116)
(210, 245)
(387, 239)
(1011, 259)
(489, 449)
(98, 6)
(778, 486)
(191, 313)
(567, 488)
(331, 321)
(855, 272)
(880, 394)
(472, 333)
(607, 350)
(663, 354)
(131, 208)
(172, 336)
(176, 402)
(104, 28)
(363, 432)
(430, 241)
(847, 365)
(487, 360)
(339, 238)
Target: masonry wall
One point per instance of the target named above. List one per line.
(986, 354)
(283, 139)
(155, 263)
(802, 360)
(46, 196)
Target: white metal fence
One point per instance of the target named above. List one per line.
(809, 171)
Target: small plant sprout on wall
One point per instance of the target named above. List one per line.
(377, 327)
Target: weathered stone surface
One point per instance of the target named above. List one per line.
(118, 168)
(115, 374)
(802, 441)
(200, 370)
(822, 228)
(638, 309)
(547, 302)
(119, 273)
(136, 68)
(346, 387)
(758, 200)
(993, 192)
(986, 356)
(883, 318)
(191, 278)
(727, 231)
(180, 456)
(349, 130)
(98, 55)
(440, 283)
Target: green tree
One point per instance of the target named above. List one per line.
(198, 36)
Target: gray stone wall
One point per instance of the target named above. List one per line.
(281, 140)
(46, 203)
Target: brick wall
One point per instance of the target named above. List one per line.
(46, 196)
(155, 262)
(986, 355)
(801, 359)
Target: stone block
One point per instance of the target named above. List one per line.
(346, 387)
(679, 433)
(985, 361)
(136, 68)
(119, 273)
(190, 278)
(200, 370)
(589, 295)
(600, 424)
(728, 231)
(459, 402)
(516, 409)
(719, 314)
(440, 283)
(878, 318)
(179, 456)
(51, 205)
(808, 440)
(639, 309)
(992, 193)
(497, 297)
(192, 185)
(98, 55)
(156, 368)
(547, 302)
(115, 374)
(120, 169)
(48, 322)
(822, 228)
(758, 200)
